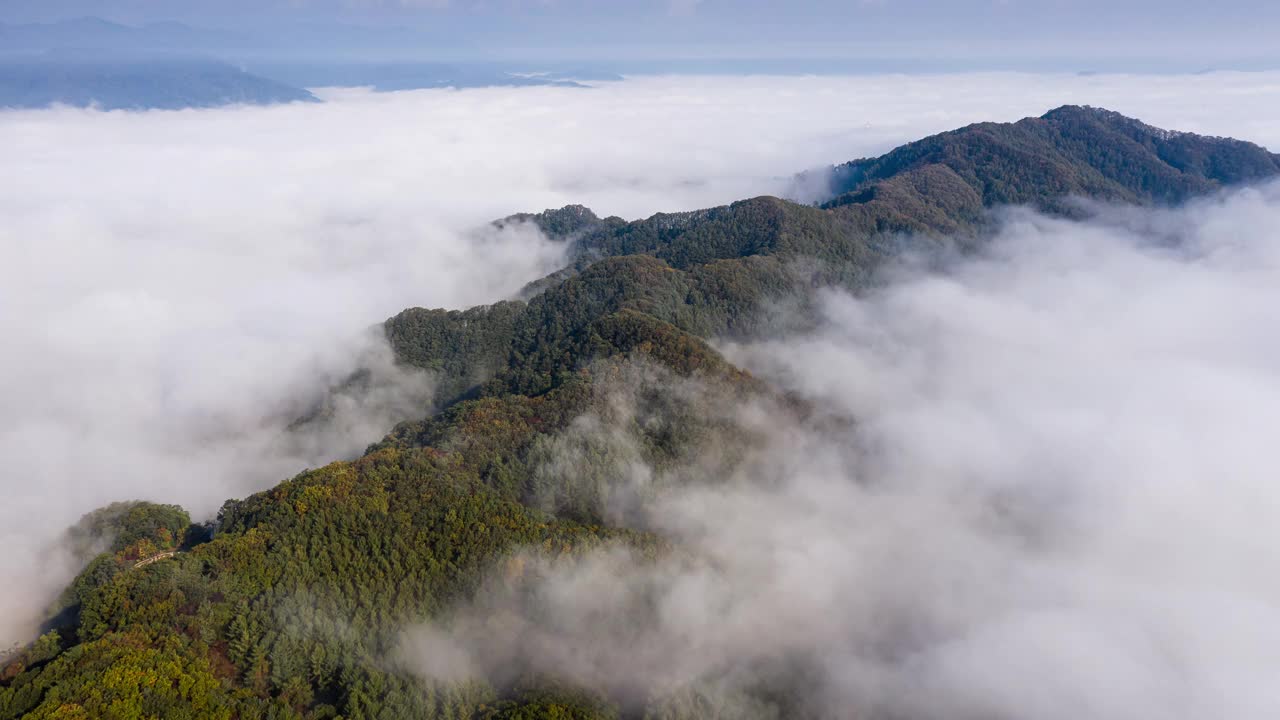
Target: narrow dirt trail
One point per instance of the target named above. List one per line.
(155, 558)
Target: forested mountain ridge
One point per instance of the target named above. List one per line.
(727, 265)
(1072, 150)
(940, 184)
(293, 603)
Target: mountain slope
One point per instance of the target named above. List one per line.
(292, 604)
(941, 184)
(731, 271)
(1072, 150)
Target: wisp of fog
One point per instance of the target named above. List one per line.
(176, 287)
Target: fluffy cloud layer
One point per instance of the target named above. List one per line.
(1070, 466)
(174, 284)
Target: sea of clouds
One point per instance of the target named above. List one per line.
(175, 286)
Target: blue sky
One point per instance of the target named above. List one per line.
(1182, 30)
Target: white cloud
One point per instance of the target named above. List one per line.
(171, 281)
(1075, 472)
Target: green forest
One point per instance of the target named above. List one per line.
(291, 603)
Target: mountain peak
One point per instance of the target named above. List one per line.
(1072, 150)
(1111, 118)
(557, 223)
(1082, 110)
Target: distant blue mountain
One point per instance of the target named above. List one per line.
(300, 56)
(387, 77)
(114, 81)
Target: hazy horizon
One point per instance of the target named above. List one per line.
(811, 35)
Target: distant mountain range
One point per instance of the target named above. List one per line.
(129, 81)
(393, 76)
(170, 65)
